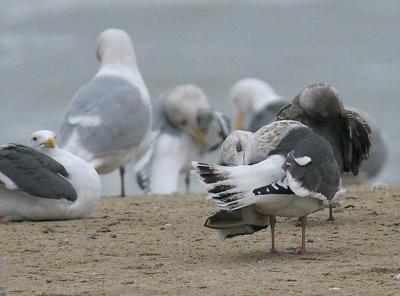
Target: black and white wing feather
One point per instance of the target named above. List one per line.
(232, 187)
(303, 164)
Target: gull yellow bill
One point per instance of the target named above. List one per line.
(49, 143)
(198, 136)
(239, 124)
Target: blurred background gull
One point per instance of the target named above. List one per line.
(46, 52)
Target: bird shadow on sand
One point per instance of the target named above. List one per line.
(261, 256)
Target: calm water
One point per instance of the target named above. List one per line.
(47, 52)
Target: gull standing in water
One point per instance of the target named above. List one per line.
(48, 183)
(255, 104)
(298, 176)
(185, 128)
(109, 118)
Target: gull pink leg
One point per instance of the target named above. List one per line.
(303, 221)
(272, 223)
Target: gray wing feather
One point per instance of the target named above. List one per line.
(124, 116)
(36, 173)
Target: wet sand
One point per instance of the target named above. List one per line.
(158, 246)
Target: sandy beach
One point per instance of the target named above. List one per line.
(158, 246)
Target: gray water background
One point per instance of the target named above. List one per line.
(47, 51)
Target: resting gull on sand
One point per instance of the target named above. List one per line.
(48, 183)
(184, 129)
(110, 117)
(319, 107)
(299, 176)
(255, 104)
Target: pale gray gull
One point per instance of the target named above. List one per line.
(48, 183)
(185, 128)
(110, 117)
(255, 104)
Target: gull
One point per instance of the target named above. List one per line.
(45, 183)
(109, 118)
(185, 128)
(255, 104)
(320, 107)
(299, 176)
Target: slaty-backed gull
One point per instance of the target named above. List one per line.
(319, 107)
(299, 176)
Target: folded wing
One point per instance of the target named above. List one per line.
(23, 168)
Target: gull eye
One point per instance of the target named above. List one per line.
(238, 147)
(34, 138)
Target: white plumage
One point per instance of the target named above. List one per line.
(16, 204)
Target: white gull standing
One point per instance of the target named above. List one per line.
(299, 176)
(48, 183)
(109, 118)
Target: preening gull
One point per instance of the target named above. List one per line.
(255, 104)
(48, 183)
(185, 128)
(299, 176)
(319, 107)
(243, 148)
(109, 117)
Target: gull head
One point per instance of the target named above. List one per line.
(44, 140)
(114, 46)
(186, 106)
(248, 96)
(320, 100)
(240, 148)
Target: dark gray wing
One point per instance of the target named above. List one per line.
(35, 173)
(359, 135)
(321, 173)
(265, 116)
(109, 114)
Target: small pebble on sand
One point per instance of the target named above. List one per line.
(334, 289)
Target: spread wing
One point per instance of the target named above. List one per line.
(302, 164)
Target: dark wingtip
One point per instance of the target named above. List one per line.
(221, 188)
(209, 173)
